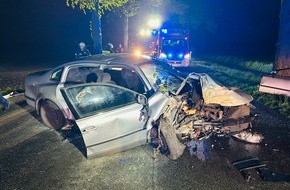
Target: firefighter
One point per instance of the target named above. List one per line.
(84, 52)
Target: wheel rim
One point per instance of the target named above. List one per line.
(51, 115)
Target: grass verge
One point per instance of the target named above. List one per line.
(246, 74)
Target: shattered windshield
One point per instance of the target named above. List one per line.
(161, 78)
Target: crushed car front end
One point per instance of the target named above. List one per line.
(196, 107)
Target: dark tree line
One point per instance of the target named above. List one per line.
(198, 15)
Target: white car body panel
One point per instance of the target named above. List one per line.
(113, 131)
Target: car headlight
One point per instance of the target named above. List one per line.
(187, 56)
(138, 52)
(163, 55)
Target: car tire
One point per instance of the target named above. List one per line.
(172, 147)
(51, 115)
(164, 149)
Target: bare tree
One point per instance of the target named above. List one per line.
(130, 9)
(97, 8)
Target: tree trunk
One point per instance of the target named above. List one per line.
(126, 33)
(175, 147)
(282, 62)
(96, 31)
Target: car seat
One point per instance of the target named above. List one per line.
(105, 78)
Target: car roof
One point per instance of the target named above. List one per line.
(127, 59)
(112, 58)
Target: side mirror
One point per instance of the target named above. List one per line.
(144, 112)
(141, 99)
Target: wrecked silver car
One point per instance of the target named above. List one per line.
(122, 101)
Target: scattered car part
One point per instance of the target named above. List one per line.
(275, 84)
(249, 137)
(244, 166)
(267, 175)
(247, 164)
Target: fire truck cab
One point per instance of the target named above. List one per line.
(172, 45)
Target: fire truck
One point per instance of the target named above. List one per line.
(172, 45)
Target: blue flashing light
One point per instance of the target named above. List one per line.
(154, 32)
(185, 31)
(170, 55)
(180, 56)
(164, 31)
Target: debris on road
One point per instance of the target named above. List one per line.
(197, 148)
(12, 94)
(244, 166)
(249, 137)
(268, 175)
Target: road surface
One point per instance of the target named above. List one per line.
(35, 157)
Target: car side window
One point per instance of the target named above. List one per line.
(56, 75)
(78, 75)
(128, 78)
(74, 76)
(89, 100)
(131, 80)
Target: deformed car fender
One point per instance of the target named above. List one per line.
(159, 105)
(163, 135)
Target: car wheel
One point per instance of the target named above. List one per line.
(51, 115)
(170, 143)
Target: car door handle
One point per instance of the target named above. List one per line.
(90, 128)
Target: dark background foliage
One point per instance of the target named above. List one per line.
(49, 30)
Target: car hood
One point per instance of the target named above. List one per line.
(215, 93)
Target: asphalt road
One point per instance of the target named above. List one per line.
(35, 157)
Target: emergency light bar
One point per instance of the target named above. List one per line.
(173, 32)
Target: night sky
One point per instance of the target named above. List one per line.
(37, 29)
(49, 30)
